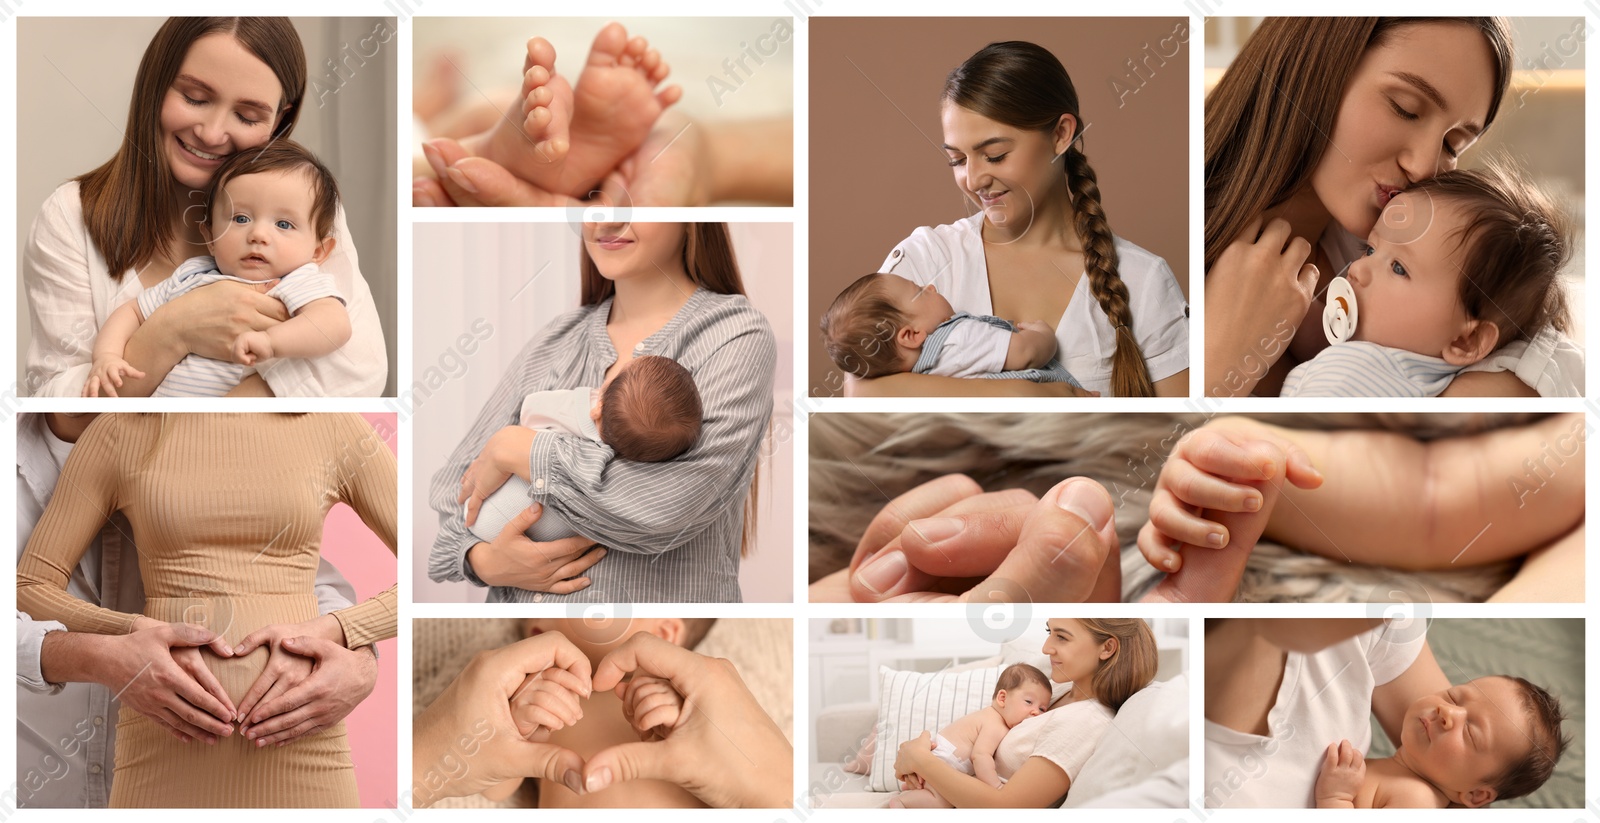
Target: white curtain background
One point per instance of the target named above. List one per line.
(482, 290)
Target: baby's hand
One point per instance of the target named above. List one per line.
(1229, 465)
(1343, 771)
(252, 346)
(105, 376)
(651, 705)
(547, 702)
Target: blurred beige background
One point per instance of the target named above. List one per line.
(1540, 124)
(72, 107)
(877, 172)
(521, 277)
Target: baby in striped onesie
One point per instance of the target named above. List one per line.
(885, 324)
(1457, 266)
(649, 412)
(269, 216)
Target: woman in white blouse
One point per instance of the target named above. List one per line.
(1040, 248)
(1106, 661)
(206, 88)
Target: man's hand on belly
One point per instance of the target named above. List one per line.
(156, 670)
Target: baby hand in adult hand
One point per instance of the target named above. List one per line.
(1257, 294)
(252, 347)
(724, 749)
(912, 755)
(650, 705)
(467, 740)
(992, 547)
(548, 701)
(1216, 491)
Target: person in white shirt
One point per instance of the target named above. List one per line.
(71, 684)
(206, 89)
(1041, 248)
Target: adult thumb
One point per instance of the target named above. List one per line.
(555, 763)
(629, 761)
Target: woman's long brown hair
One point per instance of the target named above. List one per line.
(1269, 118)
(708, 259)
(1131, 667)
(1024, 86)
(130, 201)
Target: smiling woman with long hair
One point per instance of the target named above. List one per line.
(207, 88)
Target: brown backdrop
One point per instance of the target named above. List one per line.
(874, 178)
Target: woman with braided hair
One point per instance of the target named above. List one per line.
(1040, 248)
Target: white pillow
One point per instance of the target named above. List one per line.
(1149, 734)
(911, 703)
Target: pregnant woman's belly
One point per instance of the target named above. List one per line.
(234, 618)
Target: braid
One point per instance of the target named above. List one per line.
(1129, 377)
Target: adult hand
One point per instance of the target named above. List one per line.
(157, 671)
(514, 560)
(463, 180)
(340, 679)
(208, 319)
(724, 749)
(284, 669)
(947, 540)
(1257, 293)
(672, 167)
(912, 757)
(466, 740)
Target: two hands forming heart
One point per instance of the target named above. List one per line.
(491, 725)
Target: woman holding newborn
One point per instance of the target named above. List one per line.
(1040, 249)
(675, 530)
(1106, 661)
(227, 511)
(1317, 124)
(207, 88)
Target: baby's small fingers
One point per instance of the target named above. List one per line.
(1157, 550)
(566, 680)
(1198, 488)
(662, 717)
(1216, 452)
(556, 700)
(1179, 524)
(645, 704)
(530, 718)
(1298, 469)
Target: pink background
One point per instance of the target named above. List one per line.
(370, 566)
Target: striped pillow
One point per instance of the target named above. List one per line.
(911, 703)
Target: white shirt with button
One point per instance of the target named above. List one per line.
(66, 733)
(951, 257)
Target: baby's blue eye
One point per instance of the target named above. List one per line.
(1398, 268)
(240, 219)
(285, 225)
(1367, 250)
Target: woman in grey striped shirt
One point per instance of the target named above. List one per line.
(674, 530)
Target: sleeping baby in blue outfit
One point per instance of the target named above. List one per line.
(1458, 266)
(885, 324)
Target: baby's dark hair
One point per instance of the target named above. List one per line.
(1514, 245)
(281, 155)
(651, 410)
(1016, 675)
(695, 629)
(1548, 743)
(859, 329)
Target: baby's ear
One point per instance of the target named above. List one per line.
(1476, 798)
(323, 249)
(670, 629)
(909, 338)
(1477, 339)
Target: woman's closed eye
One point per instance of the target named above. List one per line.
(199, 103)
(960, 161)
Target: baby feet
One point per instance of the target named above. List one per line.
(567, 140)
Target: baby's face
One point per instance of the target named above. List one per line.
(262, 228)
(923, 306)
(1408, 283)
(1021, 703)
(1466, 736)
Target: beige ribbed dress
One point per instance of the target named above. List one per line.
(227, 513)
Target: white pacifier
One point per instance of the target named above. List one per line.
(1339, 314)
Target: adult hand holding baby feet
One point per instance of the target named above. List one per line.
(1211, 504)
(468, 739)
(566, 139)
(722, 747)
